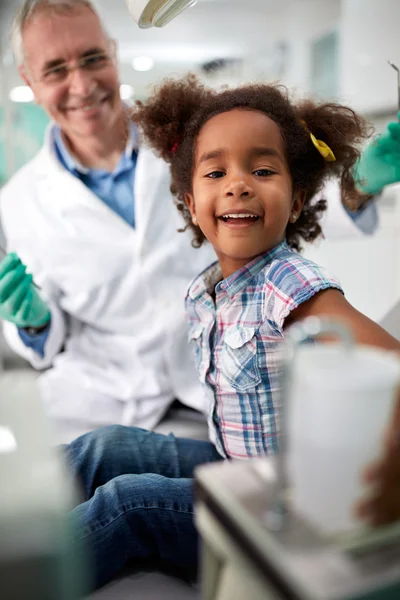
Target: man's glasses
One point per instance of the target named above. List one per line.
(90, 62)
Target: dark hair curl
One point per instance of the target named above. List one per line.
(173, 116)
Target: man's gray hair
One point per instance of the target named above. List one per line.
(29, 8)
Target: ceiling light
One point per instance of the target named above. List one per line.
(21, 93)
(169, 10)
(126, 91)
(143, 63)
(157, 13)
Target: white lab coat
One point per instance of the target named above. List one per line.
(116, 294)
(117, 350)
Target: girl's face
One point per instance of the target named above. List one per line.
(242, 196)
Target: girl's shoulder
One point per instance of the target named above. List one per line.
(290, 269)
(292, 279)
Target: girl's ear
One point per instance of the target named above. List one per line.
(297, 205)
(190, 204)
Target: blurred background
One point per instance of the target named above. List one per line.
(333, 49)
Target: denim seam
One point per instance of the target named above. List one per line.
(90, 531)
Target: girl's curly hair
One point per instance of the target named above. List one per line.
(173, 116)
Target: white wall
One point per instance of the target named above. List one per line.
(368, 266)
(370, 36)
(305, 22)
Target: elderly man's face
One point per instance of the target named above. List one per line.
(71, 68)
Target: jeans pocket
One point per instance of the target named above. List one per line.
(239, 361)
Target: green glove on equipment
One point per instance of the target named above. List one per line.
(379, 163)
(20, 302)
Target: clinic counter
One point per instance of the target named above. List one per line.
(242, 559)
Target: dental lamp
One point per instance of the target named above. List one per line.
(156, 13)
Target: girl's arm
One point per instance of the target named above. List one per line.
(383, 507)
(331, 303)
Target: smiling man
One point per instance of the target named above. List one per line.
(92, 219)
(74, 77)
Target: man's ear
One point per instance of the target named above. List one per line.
(26, 79)
(114, 49)
(190, 204)
(24, 75)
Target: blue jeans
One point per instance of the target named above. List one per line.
(138, 501)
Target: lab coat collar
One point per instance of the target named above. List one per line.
(47, 157)
(62, 192)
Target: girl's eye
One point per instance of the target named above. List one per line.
(263, 172)
(215, 175)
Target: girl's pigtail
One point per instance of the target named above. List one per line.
(343, 131)
(165, 115)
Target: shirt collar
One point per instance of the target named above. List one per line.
(71, 162)
(233, 284)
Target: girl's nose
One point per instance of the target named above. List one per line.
(238, 187)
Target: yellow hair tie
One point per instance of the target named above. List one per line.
(322, 148)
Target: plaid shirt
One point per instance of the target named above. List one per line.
(237, 343)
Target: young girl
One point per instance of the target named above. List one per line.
(246, 164)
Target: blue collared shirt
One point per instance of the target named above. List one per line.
(366, 218)
(115, 189)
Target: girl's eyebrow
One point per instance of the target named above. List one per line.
(266, 151)
(213, 154)
(256, 151)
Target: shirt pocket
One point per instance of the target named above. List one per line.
(239, 361)
(196, 342)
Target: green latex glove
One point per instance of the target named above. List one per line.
(379, 163)
(20, 302)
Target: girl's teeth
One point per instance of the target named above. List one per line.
(241, 216)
